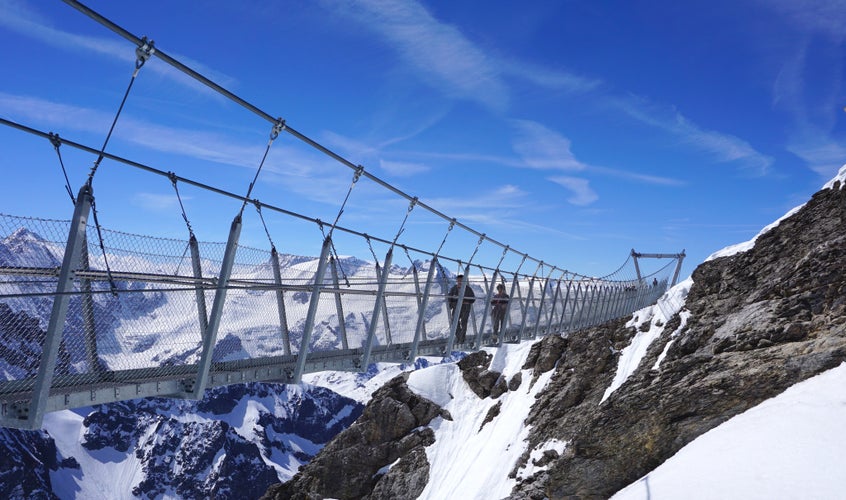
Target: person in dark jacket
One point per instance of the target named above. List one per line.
(499, 305)
(464, 310)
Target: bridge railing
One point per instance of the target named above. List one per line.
(138, 311)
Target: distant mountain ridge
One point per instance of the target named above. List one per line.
(233, 443)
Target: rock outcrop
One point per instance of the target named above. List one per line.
(390, 432)
(760, 321)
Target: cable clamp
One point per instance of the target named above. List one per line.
(54, 140)
(412, 204)
(143, 52)
(358, 170)
(278, 127)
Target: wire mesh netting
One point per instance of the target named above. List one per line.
(140, 306)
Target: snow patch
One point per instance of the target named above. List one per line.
(657, 315)
(789, 446)
(530, 468)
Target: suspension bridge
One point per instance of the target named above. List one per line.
(91, 315)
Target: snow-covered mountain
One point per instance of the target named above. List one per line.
(233, 443)
(729, 387)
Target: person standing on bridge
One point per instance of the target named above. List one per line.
(464, 310)
(499, 305)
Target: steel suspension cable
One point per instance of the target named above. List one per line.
(402, 226)
(274, 133)
(356, 176)
(173, 180)
(56, 142)
(252, 108)
(143, 52)
(258, 209)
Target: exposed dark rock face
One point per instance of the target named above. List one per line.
(391, 429)
(26, 460)
(474, 370)
(760, 322)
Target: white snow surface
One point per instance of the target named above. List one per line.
(469, 459)
(657, 316)
(792, 446)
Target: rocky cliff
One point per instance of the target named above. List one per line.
(754, 323)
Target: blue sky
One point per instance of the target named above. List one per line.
(570, 130)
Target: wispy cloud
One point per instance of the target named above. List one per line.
(824, 17)
(813, 114)
(403, 169)
(582, 194)
(546, 149)
(543, 148)
(23, 20)
(503, 197)
(549, 78)
(440, 52)
(722, 147)
(500, 207)
(157, 202)
(447, 59)
(823, 154)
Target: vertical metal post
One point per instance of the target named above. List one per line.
(342, 322)
(544, 293)
(89, 327)
(610, 309)
(550, 310)
(577, 323)
(64, 287)
(377, 305)
(589, 320)
(678, 268)
(637, 267)
(487, 310)
(526, 309)
(388, 339)
(200, 292)
(280, 302)
(619, 304)
(554, 305)
(423, 304)
(605, 301)
(560, 326)
(515, 288)
(628, 304)
(459, 305)
(416, 276)
(313, 302)
(210, 337)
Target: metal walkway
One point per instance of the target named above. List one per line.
(174, 317)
